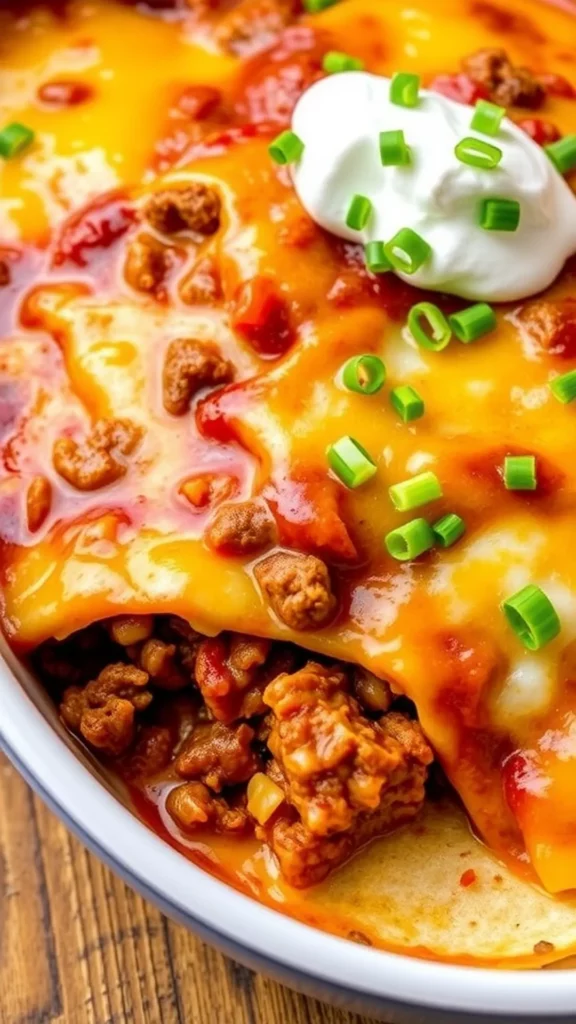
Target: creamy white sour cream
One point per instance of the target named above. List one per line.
(339, 119)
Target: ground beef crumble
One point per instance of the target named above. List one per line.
(190, 365)
(506, 84)
(241, 528)
(205, 716)
(101, 458)
(298, 588)
(194, 207)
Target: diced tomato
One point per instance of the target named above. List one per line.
(270, 84)
(207, 489)
(540, 131)
(62, 94)
(196, 102)
(306, 508)
(211, 666)
(95, 227)
(522, 778)
(557, 85)
(216, 414)
(467, 878)
(261, 315)
(459, 87)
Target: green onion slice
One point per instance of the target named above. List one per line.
(478, 153)
(499, 214)
(335, 61)
(473, 322)
(439, 332)
(358, 212)
(520, 473)
(407, 403)
(315, 6)
(487, 118)
(14, 139)
(405, 89)
(564, 387)
(419, 490)
(286, 148)
(563, 153)
(376, 259)
(364, 374)
(448, 530)
(393, 149)
(350, 462)
(532, 616)
(407, 251)
(410, 540)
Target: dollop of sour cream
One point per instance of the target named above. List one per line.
(339, 120)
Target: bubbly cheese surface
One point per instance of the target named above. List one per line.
(79, 344)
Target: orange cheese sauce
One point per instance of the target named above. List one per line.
(78, 344)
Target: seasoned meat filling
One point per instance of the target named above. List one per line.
(507, 85)
(193, 806)
(336, 763)
(298, 588)
(244, 736)
(219, 755)
(190, 365)
(100, 459)
(196, 207)
(241, 528)
(147, 262)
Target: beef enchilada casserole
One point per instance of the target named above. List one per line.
(288, 491)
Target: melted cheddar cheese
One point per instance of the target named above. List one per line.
(80, 344)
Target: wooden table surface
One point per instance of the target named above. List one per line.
(78, 947)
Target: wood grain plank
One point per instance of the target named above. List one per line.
(28, 964)
(77, 946)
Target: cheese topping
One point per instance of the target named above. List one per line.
(339, 120)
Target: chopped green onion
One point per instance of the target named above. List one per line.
(419, 490)
(376, 259)
(405, 89)
(564, 387)
(407, 251)
(286, 148)
(315, 6)
(487, 118)
(358, 212)
(14, 139)
(407, 403)
(473, 322)
(364, 374)
(335, 61)
(393, 149)
(437, 323)
(478, 153)
(520, 473)
(410, 540)
(532, 616)
(563, 153)
(448, 530)
(499, 214)
(350, 462)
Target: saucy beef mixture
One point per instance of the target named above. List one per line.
(314, 757)
(247, 736)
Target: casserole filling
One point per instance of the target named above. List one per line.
(243, 735)
(287, 481)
